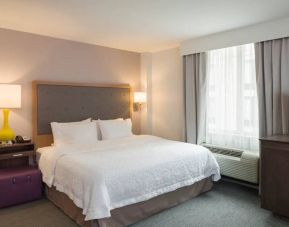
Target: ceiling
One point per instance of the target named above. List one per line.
(136, 25)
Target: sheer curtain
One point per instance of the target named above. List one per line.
(232, 108)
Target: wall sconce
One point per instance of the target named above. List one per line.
(138, 99)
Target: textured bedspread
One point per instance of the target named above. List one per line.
(116, 173)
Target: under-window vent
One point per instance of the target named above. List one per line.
(238, 164)
(224, 151)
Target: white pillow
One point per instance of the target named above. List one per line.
(98, 129)
(74, 133)
(112, 129)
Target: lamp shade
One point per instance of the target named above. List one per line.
(10, 96)
(140, 97)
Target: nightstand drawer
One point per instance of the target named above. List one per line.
(4, 149)
(16, 155)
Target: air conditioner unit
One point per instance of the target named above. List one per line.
(238, 164)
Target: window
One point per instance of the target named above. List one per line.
(232, 111)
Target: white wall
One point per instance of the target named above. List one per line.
(26, 57)
(250, 34)
(166, 112)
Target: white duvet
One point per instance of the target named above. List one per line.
(119, 172)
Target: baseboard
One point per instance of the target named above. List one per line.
(240, 182)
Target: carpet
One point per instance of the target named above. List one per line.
(227, 205)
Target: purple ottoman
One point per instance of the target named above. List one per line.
(19, 185)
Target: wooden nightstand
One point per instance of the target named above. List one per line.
(16, 155)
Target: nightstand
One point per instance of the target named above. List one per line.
(16, 155)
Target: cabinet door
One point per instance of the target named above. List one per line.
(275, 177)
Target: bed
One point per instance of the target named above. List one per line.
(114, 182)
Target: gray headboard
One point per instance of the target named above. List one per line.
(67, 102)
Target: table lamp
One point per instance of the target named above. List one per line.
(10, 97)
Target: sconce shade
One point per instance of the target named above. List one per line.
(10, 96)
(139, 97)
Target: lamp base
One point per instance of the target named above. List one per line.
(6, 133)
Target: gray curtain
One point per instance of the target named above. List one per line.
(195, 97)
(272, 68)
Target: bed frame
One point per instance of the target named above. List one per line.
(67, 102)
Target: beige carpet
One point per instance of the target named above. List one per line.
(227, 205)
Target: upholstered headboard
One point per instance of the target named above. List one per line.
(68, 102)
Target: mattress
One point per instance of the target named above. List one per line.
(42, 150)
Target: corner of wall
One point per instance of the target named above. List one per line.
(161, 78)
(146, 86)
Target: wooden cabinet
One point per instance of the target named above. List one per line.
(16, 155)
(275, 174)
